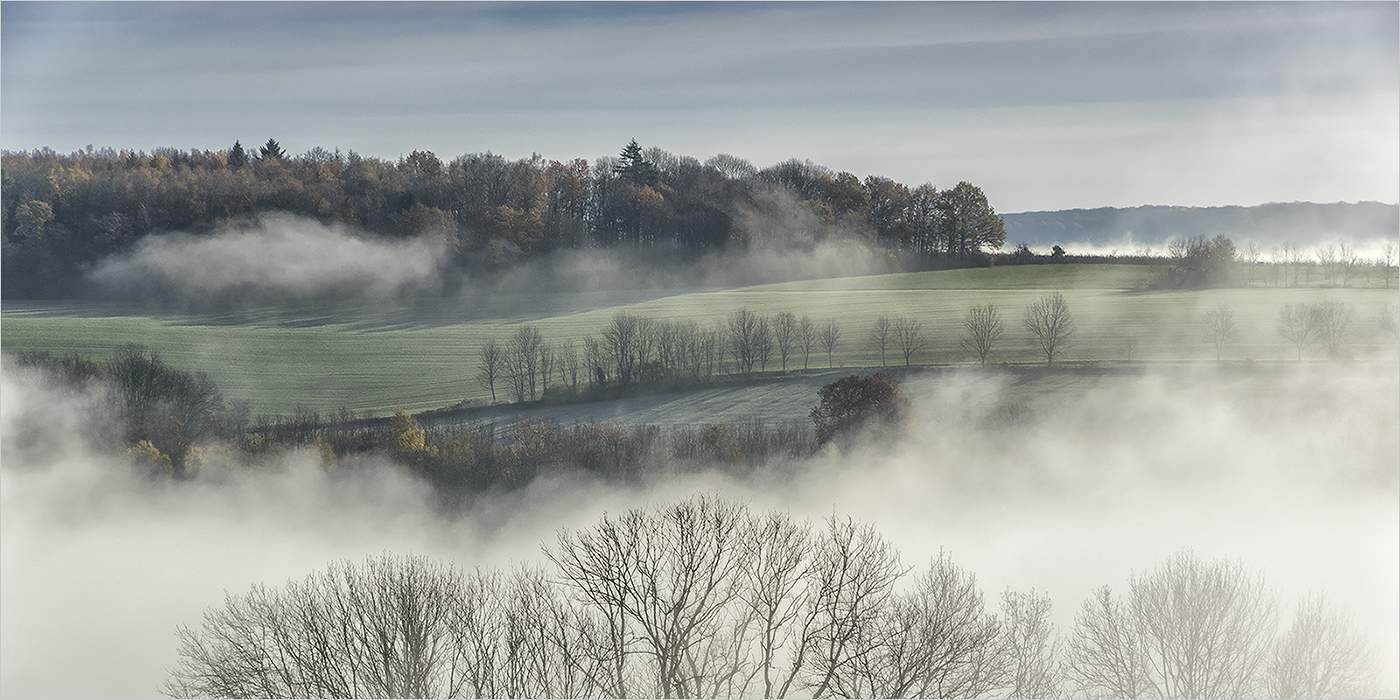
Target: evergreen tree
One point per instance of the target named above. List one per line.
(636, 169)
(272, 151)
(237, 157)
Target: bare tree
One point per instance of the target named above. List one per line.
(622, 342)
(1050, 324)
(1250, 257)
(1333, 319)
(806, 339)
(856, 570)
(1322, 655)
(1390, 324)
(1298, 324)
(1327, 260)
(780, 594)
(1220, 328)
(785, 335)
(664, 581)
(1346, 262)
(1189, 629)
(1104, 656)
(595, 359)
(934, 641)
(384, 628)
(568, 364)
(1387, 261)
(880, 336)
(763, 342)
(523, 361)
(491, 365)
(547, 363)
(830, 338)
(1293, 258)
(1031, 645)
(982, 329)
(744, 336)
(1279, 259)
(909, 333)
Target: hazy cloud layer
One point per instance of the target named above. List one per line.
(1044, 105)
(278, 258)
(1292, 472)
(773, 244)
(288, 258)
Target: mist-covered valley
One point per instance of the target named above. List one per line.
(699, 350)
(1291, 470)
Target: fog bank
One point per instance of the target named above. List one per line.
(1292, 472)
(282, 258)
(278, 257)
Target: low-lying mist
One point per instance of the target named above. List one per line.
(280, 258)
(1292, 470)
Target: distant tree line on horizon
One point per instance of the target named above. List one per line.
(62, 213)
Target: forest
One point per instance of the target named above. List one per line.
(63, 213)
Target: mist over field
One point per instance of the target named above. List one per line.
(283, 258)
(777, 247)
(1291, 470)
(280, 257)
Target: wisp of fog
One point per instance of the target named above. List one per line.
(1292, 471)
(279, 258)
(276, 257)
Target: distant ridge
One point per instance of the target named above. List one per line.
(1303, 224)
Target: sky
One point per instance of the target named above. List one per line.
(1043, 105)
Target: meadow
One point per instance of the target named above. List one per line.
(422, 354)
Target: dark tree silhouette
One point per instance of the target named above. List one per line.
(237, 157)
(272, 151)
(1050, 325)
(982, 330)
(855, 402)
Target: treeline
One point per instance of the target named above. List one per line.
(704, 598)
(461, 459)
(165, 417)
(638, 353)
(64, 212)
(1305, 224)
(175, 423)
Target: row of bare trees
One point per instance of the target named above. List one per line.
(1337, 265)
(704, 598)
(638, 350)
(1330, 324)
(634, 349)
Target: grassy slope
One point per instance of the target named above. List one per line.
(422, 355)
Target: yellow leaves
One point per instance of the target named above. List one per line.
(536, 442)
(406, 438)
(145, 454)
(32, 218)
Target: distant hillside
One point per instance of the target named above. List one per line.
(1270, 225)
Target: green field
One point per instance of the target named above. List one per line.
(422, 355)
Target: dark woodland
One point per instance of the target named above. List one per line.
(63, 213)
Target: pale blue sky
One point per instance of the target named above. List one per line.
(1044, 105)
